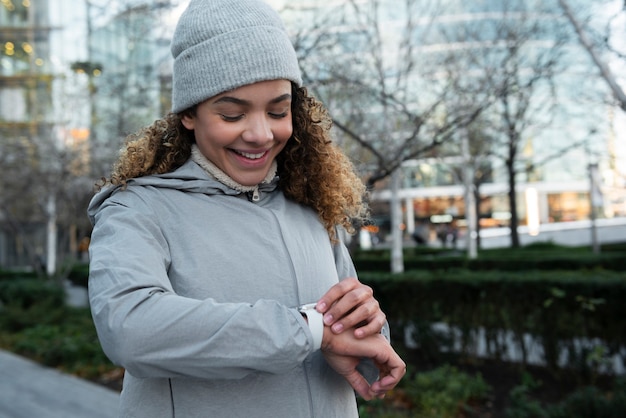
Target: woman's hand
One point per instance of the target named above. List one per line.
(351, 304)
(343, 353)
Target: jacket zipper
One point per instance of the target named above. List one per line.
(254, 195)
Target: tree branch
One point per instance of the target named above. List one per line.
(605, 71)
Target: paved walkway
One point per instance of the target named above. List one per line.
(29, 390)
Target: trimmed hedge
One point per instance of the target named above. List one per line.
(69, 343)
(557, 307)
(79, 275)
(524, 260)
(36, 323)
(12, 274)
(28, 302)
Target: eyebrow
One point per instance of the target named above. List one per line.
(242, 102)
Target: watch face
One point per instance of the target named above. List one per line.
(307, 307)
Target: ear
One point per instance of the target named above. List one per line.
(188, 122)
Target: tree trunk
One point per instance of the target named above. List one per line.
(470, 205)
(476, 191)
(397, 259)
(51, 258)
(513, 205)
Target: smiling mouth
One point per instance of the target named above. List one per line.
(249, 155)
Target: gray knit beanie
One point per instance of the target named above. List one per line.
(220, 45)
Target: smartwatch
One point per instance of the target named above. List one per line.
(316, 323)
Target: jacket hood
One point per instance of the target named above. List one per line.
(189, 177)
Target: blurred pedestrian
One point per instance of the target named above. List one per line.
(420, 234)
(217, 277)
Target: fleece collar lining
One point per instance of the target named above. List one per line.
(222, 177)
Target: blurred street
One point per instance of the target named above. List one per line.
(29, 390)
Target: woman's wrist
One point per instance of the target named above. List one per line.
(315, 321)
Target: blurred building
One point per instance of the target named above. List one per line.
(561, 150)
(80, 75)
(25, 69)
(130, 47)
(76, 77)
(26, 117)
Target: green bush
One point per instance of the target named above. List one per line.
(71, 344)
(29, 302)
(36, 323)
(591, 402)
(12, 274)
(538, 256)
(586, 402)
(558, 308)
(380, 409)
(522, 406)
(444, 392)
(79, 275)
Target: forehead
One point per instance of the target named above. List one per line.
(273, 90)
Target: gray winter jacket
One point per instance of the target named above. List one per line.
(193, 288)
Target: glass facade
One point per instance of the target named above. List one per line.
(26, 117)
(75, 78)
(77, 73)
(130, 50)
(25, 73)
(525, 51)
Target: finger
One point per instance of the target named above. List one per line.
(335, 293)
(379, 388)
(355, 306)
(366, 316)
(377, 393)
(372, 327)
(360, 385)
(390, 375)
(386, 383)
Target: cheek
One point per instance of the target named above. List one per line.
(216, 134)
(284, 132)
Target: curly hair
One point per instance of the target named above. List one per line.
(313, 171)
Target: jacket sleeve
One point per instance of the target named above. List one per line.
(145, 327)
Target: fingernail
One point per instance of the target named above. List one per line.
(321, 306)
(359, 333)
(337, 327)
(328, 319)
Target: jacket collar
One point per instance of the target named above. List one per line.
(219, 175)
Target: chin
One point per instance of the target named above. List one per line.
(250, 181)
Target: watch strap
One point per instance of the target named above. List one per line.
(315, 321)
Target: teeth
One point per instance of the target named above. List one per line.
(251, 156)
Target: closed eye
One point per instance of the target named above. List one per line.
(279, 115)
(229, 118)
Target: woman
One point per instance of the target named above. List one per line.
(215, 251)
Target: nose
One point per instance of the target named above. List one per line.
(258, 129)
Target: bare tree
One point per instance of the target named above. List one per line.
(474, 170)
(16, 212)
(595, 50)
(127, 43)
(383, 95)
(516, 63)
(392, 99)
(47, 161)
(29, 142)
(40, 175)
